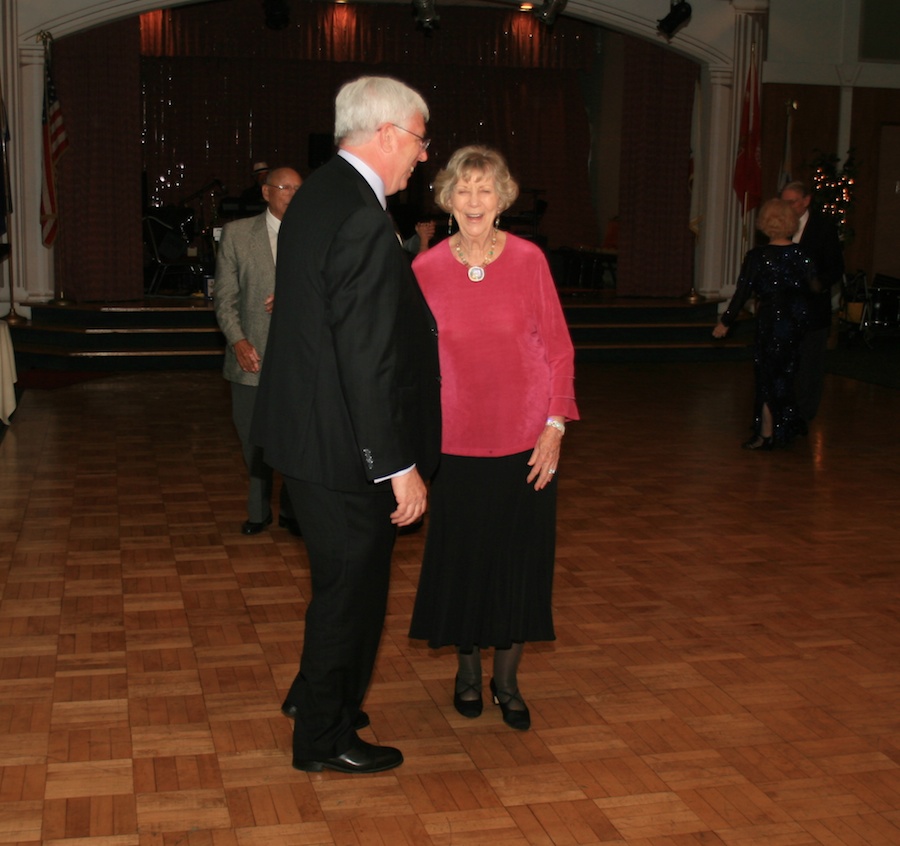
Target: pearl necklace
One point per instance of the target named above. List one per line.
(476, 272)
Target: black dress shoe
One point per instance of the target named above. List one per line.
(361, 721)
(759, 442)
(291, 524)
(470, 708)
(517, 718)
(361, 757)
(250, 528)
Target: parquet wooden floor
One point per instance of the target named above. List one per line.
(727, 669)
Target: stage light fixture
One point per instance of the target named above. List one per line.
(426, 16)
(549, 11)
(278, 15)
(679, 15)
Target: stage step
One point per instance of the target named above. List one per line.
(159, 334)
(182, 333)
(641, 330)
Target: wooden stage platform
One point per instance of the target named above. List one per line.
(181, 332)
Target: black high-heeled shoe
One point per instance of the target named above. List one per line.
(759, 442)
(517, 718)
(470, 708)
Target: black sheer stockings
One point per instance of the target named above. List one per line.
(506, 666)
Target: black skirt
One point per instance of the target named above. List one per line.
(487, 573)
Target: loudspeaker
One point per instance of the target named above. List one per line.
(321, 149)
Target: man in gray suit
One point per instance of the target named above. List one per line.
(245, 278)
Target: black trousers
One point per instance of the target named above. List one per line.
(349, 538)
(809, 380)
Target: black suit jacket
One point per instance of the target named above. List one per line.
(350, 392)
(821, 243)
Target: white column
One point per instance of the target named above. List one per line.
(712, 269)
(36, 260)
(27, 275)
(750, 21)
(725, 236)
(848, 75)
(10, 272)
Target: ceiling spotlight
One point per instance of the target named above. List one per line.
(679, 15)
(549, 11)
(426, 16)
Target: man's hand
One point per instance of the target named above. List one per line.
(247, 356)
(412, 497)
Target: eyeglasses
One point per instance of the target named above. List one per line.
(292, 188)
(423, 141)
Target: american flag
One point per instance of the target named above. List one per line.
(55, 144)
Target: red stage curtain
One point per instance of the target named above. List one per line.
(98, 252)
(656, 246)
(375, 34)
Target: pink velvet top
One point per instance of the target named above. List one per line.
(507, 361)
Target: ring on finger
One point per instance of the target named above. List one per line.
(552, 470)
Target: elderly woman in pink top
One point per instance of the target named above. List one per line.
(507, 391)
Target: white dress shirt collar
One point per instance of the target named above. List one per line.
(373, 179)
(799, 233)
(273, 224)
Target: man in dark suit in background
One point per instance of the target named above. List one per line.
(245, 278)
(818, 237)
(348, 408)
(253, 196)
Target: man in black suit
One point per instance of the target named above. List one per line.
(818, 237)
(348, 408)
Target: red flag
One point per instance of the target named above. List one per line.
(747, 166)
(55, 143)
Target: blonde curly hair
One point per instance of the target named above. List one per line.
(478, 159)
(777, 219)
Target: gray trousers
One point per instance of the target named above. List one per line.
(259, 495)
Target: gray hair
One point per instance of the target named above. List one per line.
(366, 103)
(799, 187)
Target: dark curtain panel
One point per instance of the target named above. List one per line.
(99, 252)
(814, 128)
(210, 119)
(220, 92)
(655, 244)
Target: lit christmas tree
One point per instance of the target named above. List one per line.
(832, 191)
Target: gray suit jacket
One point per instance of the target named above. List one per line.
(245, 276)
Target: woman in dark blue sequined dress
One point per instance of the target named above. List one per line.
(782, 279)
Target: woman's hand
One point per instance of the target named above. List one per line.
(545, 457)
(425, 231)
(720, 330)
